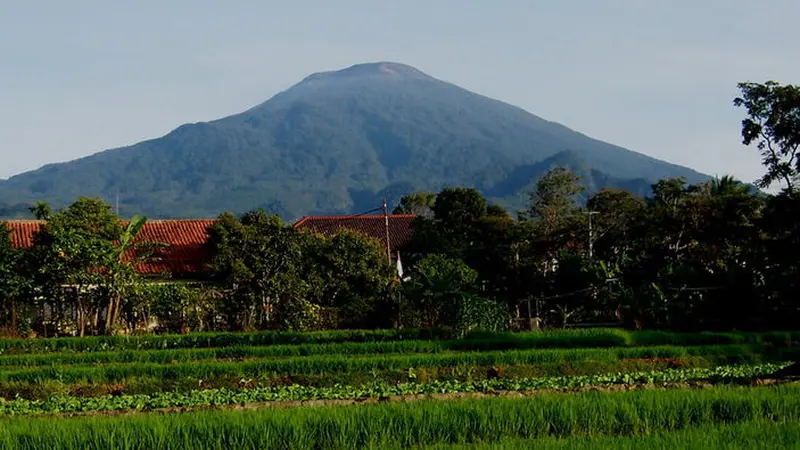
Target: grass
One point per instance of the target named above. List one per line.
(208, 340)
(746, 435)
(19, 361)
(581, 338)
(591, 414)
(332, 364)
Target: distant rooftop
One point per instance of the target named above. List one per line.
(186, 240)
(186, 252)
(369, 225)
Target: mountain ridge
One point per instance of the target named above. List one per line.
(334, 143)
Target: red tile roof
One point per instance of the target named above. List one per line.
(373, 226)
(186, 240)
(186, 253)
(22, 232)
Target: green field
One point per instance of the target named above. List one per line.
(350, 389)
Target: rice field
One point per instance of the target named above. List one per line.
(426, 423)
(597, 388)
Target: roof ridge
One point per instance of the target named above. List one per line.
(305, 219)
(175, 220)
(360, 216)
(121, 220)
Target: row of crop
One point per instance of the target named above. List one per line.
(481, 340)
(149, 385)
(14, 361)
(407, 425)
(754, 434)
(328, 364)
(217, 397)
(207, 340)
(271, 351)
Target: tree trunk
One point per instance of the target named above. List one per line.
(14, 315)
(81, 318)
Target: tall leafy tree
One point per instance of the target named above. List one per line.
(418, 203)
(349, 272)
(13, 282)
(259, 259)
(554, 217)
(773, 125)
(616, 214)
(73, 252)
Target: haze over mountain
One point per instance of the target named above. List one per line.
(338, 142)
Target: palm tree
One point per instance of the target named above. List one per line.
(728, 185)
(725, 186)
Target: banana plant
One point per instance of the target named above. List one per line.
(122, 272)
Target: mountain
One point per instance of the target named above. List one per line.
(336, 143)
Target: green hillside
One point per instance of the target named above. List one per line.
(336, 143)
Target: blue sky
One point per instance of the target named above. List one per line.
(658, 77)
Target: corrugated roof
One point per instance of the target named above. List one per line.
(369, 225)
(186, 240)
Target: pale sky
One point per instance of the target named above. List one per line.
(658, 77)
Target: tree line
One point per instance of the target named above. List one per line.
(715, 255)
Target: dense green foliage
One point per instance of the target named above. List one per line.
(418, 423)
(338, 143)
(709, 255)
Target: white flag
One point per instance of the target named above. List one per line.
(399, 267)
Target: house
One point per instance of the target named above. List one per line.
(370, 225)
(184, 256)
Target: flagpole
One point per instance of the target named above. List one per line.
(386, 223)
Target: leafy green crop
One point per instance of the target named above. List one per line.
(61, 404)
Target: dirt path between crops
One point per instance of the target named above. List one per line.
(412, 398)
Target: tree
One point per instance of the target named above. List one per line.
(617, 214)
(457, 209)
(773, 124)
(454, 228)
(419, 203)
(259, 259)
(555, 199)
(122, 278)
(41, 211)
(75, 249)
(349, 272)
(554, 217)
(13, 283)
(443, 292)
(726, 185)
